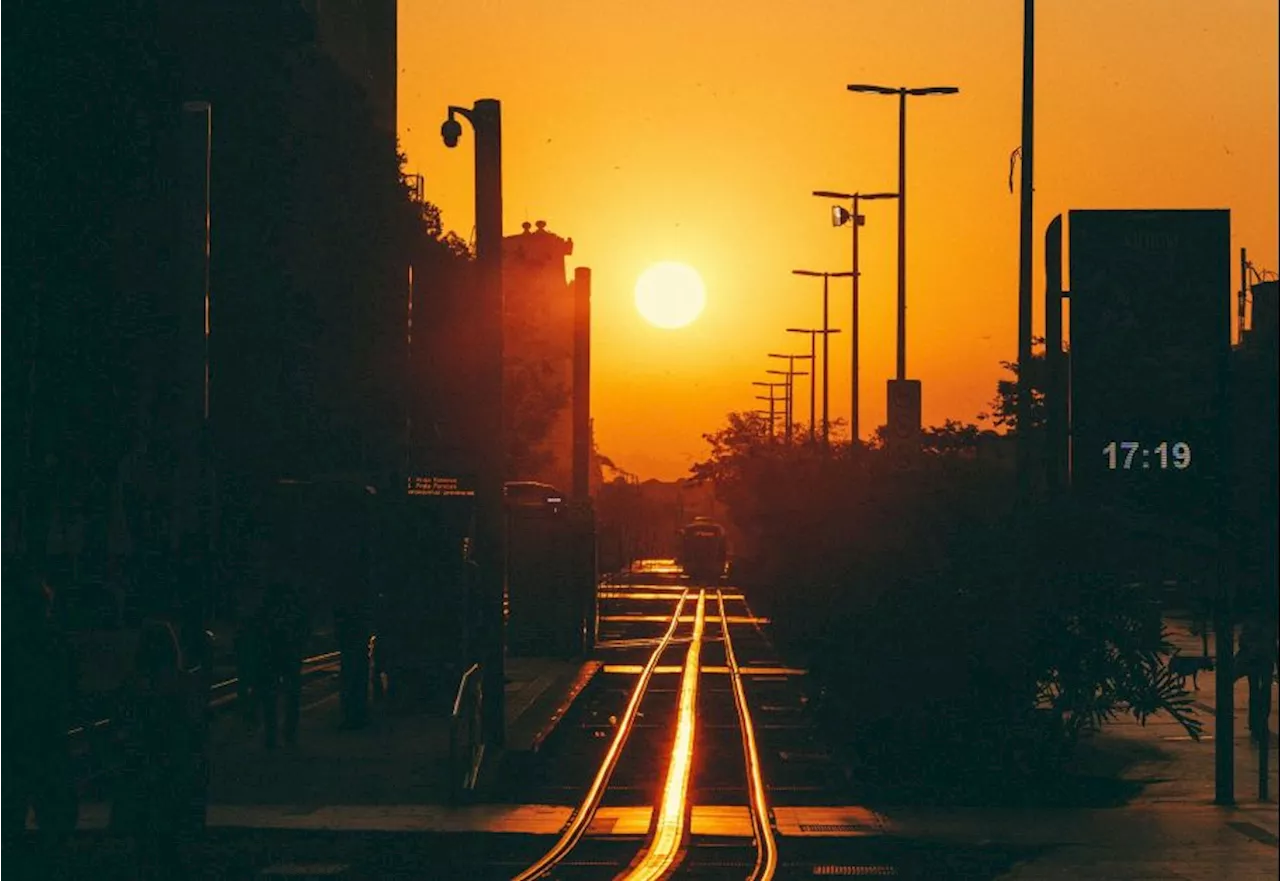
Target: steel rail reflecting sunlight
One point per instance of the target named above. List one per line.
(672, 815)
(766, 845)
(586, 812)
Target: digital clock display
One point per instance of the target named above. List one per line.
(1150, 340)
(1133, 455)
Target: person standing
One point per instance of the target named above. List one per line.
(38, 773)
(1257, 660)
(352, 626)
(284, 629)
(351, 631)
(150, 802)
(195, 646)
(249, 650)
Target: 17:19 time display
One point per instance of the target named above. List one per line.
(1128, 455)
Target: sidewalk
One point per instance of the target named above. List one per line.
(1169, 829)
(377, 778)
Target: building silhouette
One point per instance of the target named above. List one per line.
(538, 350)
(1264, 323)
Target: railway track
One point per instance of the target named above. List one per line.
(696, 753)
(673, 729)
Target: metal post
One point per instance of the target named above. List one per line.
(1024, 254)
(1244, 293)
(1224, 703)
(1264, 755)
(581, 382)
(813, 358)
(202, 129)
(585, 534)
(826, 360)
(486, 119)
(786, 409)
(1224, 593)
(195, 538)
(902, 233)
(1055, 373)
(854, 221)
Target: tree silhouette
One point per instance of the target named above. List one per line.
(1004, 406)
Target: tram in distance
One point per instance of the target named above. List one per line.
(703, 549)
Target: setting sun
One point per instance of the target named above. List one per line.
(670, 295)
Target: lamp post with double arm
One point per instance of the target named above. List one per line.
(839, 217)
(772, 399)
(813, 353)
(902, 92)
(826, 349)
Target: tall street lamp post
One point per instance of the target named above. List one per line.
(813, 373)
(791, 371)
(486, 120)
(772, 399)
(789, 391)
(826, 349)
(839, 217)
(813, 342)
(903, 91)
(771, 413)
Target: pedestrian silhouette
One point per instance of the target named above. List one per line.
(38, 773)
(283, 629)
(195, 648)
(1257, 660)
(159, 739)
(249, 649)
(352, 630)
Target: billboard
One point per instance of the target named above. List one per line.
(1150, 330)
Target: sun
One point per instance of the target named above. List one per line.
(670, 295)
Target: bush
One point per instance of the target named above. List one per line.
(899, 581)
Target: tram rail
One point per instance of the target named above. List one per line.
(668, 848)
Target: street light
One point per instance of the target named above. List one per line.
(813, 364)
(486, 121)
(839, 217)
(772, 401)
(826, 349)
(813, 342)
(762, 413)
(790, 393)
(902, 92)
(791, 367)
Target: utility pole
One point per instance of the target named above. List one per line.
(1023, 405)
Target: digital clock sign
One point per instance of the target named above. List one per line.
(1127, 455)
(1150, 301)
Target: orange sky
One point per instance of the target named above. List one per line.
(670, 130)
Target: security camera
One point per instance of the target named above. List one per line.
(451, 131)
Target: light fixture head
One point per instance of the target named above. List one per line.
(450, 131)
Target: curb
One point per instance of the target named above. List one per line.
(530, 730)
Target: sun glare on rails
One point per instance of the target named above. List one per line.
(669, 829)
